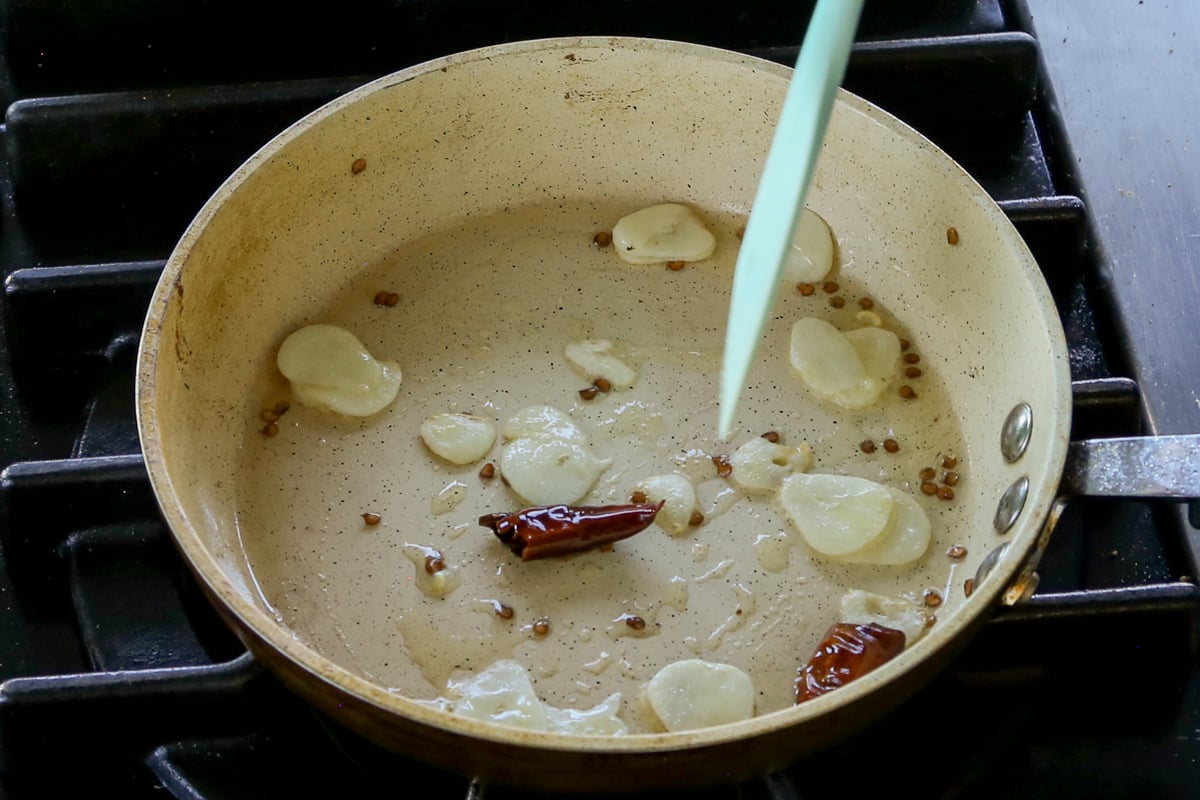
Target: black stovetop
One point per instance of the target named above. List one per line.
(118, 678)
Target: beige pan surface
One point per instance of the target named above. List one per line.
(482, 181)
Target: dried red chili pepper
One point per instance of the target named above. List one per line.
(848, 651)
(556, 530)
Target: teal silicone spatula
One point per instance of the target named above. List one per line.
(799, 132)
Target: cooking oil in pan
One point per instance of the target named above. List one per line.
(484, 311)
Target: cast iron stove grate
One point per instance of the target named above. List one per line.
(119, 678)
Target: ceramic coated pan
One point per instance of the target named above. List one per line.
(471, 187)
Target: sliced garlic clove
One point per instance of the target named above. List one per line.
(502, 694)
(878, 348)
(546, 470)
(850, 369)
(906, 542)
(860, 607)
(691, 694)
(594, 358)
(879, 351)
(836, 514)
(329, 368)
(824, 359)
(539, 420)
(353, 404)
(665, 232)
(810, 257)
(759, 465)
(679, 498)
(326, 355)
(599, 720)
(458, 438)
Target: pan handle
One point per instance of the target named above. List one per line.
(1165, 467)
(1150, 467)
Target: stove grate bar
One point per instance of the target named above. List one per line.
(76, 716)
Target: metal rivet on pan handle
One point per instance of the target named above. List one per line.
(1014, 436)
(1011, 503)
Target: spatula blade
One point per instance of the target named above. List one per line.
(782, 190)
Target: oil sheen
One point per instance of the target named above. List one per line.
(487, 306)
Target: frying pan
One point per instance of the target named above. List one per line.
(469, 189)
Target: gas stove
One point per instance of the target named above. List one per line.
(119, 679)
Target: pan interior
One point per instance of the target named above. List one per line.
(486, 310)
(480, 188)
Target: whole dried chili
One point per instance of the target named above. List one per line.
(848, 651)
(556, 530)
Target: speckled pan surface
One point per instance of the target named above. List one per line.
(480, 181)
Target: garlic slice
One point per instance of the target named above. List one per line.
(548, 459)
(537, 420)
(664, 232)
(760, 465)
(329, 368)
(810, 258)
(690, 694)
(599, 720)
(458, 438)
(850, 369)
(504, 694)
(861, 607)
(837, 514)
(907, 540)
(679, 498)
(879, 351)
(823, 358)
(546, 470)
(594, 358)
